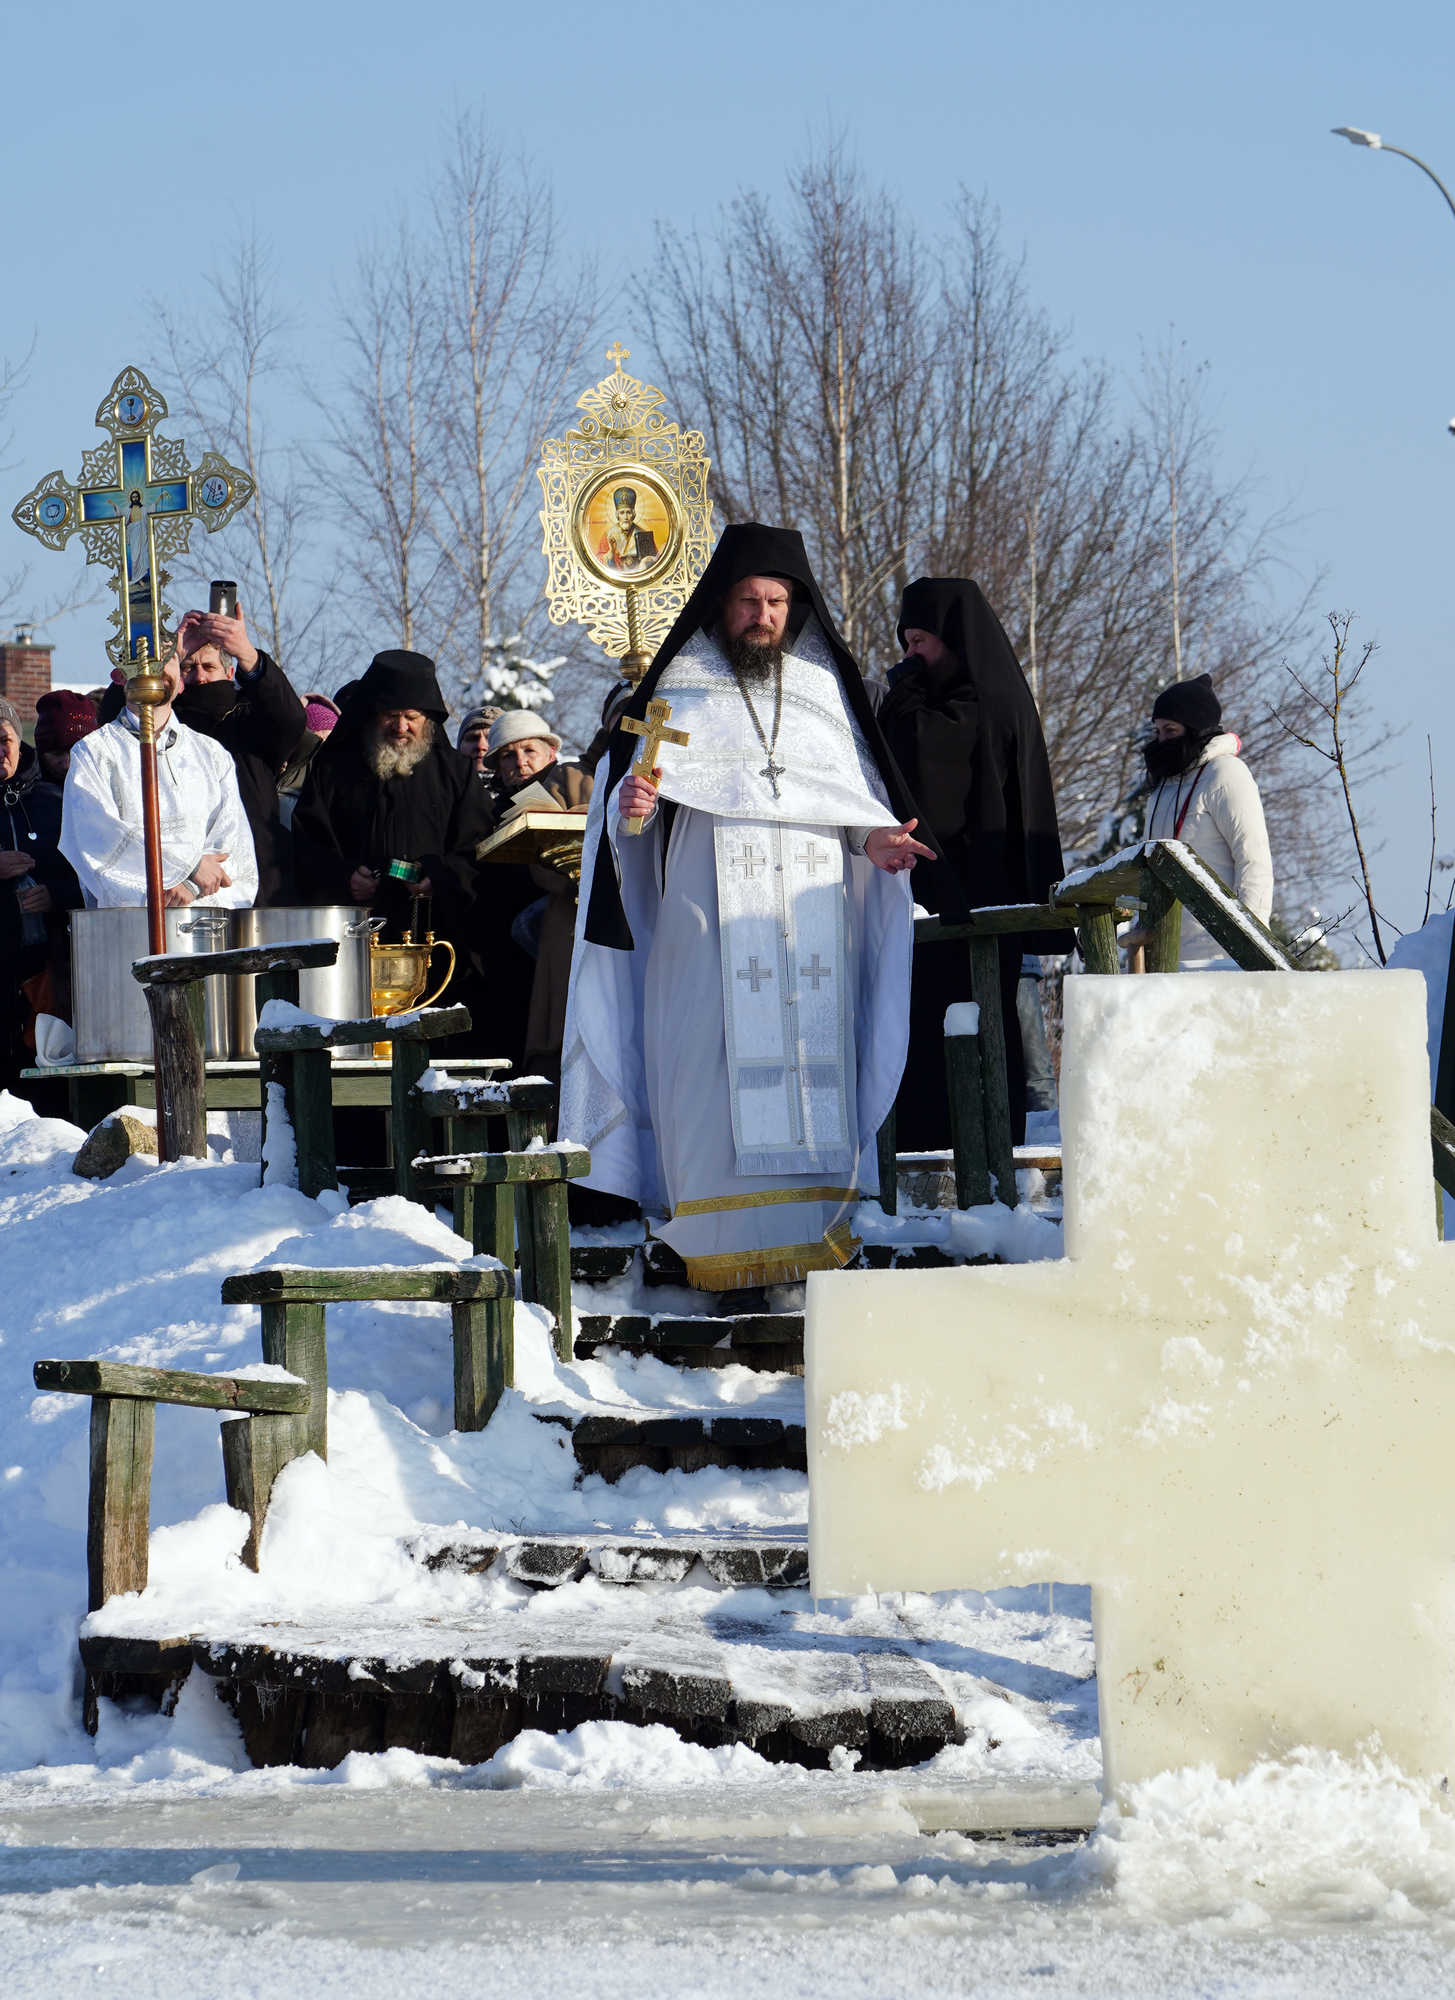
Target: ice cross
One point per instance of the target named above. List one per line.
(812, 858)
(756, 973)
(1227, 1408)
(815, 972)
(133, 507)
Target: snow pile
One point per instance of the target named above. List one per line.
(1427, 950)
(615, 1754)
(1014, 1235)
(1312, 1838)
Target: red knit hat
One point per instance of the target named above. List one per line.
(62, 718)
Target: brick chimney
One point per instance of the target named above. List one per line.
(25, 672)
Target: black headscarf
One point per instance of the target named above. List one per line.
(750, 549)
(968, 739)
(347, 817)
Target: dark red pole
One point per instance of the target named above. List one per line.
(146, 690)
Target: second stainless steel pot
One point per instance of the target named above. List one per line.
(340, 991)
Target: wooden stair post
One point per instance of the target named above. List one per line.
(967, 1120)
(306, 1080)
(174, 998)
(994, 1081)
(540, 1181)
(305, 1048)
(1161, 924)
(529, 1107)
(123, 1428)
(118, 1511)
(887, 1149)
(983, 934)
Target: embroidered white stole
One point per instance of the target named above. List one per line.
(780, 898)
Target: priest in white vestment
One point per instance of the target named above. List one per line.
(739, 1006)
(207, 844)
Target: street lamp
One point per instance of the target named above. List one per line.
(1372, 140)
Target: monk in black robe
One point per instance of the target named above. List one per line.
(963, 728)
(388, 806)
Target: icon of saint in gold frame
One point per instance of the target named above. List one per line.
(627, 525)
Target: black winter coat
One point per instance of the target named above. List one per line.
(346, 818)
(30, 823)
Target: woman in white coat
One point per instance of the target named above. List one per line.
(1205, 796)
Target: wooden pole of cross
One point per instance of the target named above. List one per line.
(654, 733)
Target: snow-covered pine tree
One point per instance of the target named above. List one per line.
(510, 678)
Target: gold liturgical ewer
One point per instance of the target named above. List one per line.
(399, 973)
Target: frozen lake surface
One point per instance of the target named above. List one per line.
(813, 1886)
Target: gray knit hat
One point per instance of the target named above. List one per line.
(515, 725)
(476, 718)
(11, 714)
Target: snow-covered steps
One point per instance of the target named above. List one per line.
(771, 1341)
(307, 1696)
(614, 1444)
(739, 1558)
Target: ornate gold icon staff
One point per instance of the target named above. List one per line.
(627, 518)
(654, 733)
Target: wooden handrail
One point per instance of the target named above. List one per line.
(292, 1284)
(172, 1385)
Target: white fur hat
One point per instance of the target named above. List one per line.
(515, 725)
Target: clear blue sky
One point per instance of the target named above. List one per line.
(1162, 164)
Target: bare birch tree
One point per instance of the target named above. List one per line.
(233, 363)
(381, 419)
(514, 321)
(911, 410)
(462, 339)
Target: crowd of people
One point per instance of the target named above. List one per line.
(360, 799)
(269, 797)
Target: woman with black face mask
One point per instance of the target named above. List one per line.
(1204, 795)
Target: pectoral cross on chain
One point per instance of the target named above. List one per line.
(654, 733)
(773, 771)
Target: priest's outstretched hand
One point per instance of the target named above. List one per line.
(638, 798)
(891, 848)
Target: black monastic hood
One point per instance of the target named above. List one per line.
(969, 737)
(749, 548)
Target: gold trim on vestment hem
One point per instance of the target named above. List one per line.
(713, 1204)
(777, 1264)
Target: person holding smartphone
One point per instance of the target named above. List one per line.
(243, 700)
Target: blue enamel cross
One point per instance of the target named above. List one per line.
(134, 506)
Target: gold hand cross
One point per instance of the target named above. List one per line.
(654, 733)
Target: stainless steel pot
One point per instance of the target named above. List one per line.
(340, 990)
(112, 1021)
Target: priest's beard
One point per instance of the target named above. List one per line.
(755, 664)
(397, 760)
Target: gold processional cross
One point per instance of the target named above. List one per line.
(133, 507)
(654, 733)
